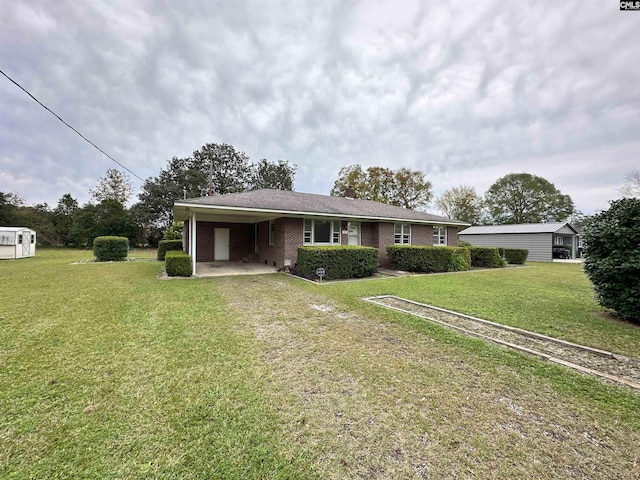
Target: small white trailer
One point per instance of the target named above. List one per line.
(17, 242)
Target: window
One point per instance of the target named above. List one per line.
(6, 239)
(439, 235)
(33, 239)
(272, 232)
(308, 231)
(402, 234)
(336, 233)
(20, 239)
(321, 232)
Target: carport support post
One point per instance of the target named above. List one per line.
(192, 241)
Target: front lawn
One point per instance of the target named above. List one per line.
(555, 299)
(107, 371)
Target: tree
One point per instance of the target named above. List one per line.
(63, 218)
(109, 217)
(526, 198)
(214, 169)
(631, 189)
(115, 185)
(404, 187)
(182, 178)
(278, 176)
(461, 203)
(229, 171)
(9, 203)
(613, 259)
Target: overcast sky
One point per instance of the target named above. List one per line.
(465, 91)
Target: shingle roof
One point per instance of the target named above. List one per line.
(518, 228)
(308, 203)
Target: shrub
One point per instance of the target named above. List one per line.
(420, 258)
(178, 264)
(165, 246)
(613, 258)
(174, 232)
(338, 262)
(486, 257)
(107, 249)
(516, 256)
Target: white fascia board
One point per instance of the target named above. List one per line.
(316, 214)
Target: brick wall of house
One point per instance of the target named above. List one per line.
(369, 234)
(267, 254)
(421, 234)
(204, 241)
(241, 245)
(293, 238)
(452, 236)
(344, 237)
(288, 237)
(386, 236)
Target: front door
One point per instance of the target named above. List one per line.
(221, 244)
(353, 237)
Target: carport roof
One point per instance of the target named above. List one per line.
(285, 203)
(517, 228)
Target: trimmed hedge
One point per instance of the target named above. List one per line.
(516, 256)
(338, 262)
(165, 246)
(107, 249)
(486, 257)
(178, 264)
(428, 259)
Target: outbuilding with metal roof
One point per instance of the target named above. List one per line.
(538, 238)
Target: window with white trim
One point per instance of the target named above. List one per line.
(402, 234)
(308, 232)
(272, 232)
(439, 236)
(321, 232)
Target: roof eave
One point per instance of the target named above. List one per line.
(316, 214)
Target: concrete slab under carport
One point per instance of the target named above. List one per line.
(219, 269)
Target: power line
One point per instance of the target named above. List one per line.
(58, 117)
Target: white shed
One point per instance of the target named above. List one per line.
(538, 238)
(17, 242)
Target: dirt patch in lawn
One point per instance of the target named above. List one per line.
(372, 399)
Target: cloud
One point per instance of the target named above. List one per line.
(465, 92)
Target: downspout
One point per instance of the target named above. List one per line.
(193, 241)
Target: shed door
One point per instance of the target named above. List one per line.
(221, 244)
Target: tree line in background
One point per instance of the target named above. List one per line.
(214, 169)
(217, 169)
(514, 198)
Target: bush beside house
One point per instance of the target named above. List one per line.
(486, 257)
(108, 248)
(515, 256)
(165, 246)
(426, 259)
(338, 262)
(178, 264)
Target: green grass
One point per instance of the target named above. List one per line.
(550, 298)
(107, 371)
